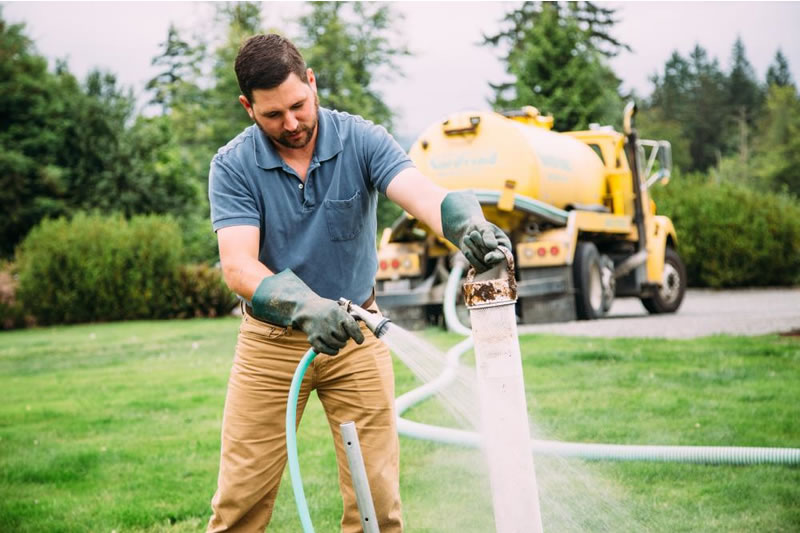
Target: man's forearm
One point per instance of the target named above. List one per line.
(432, 214)
(243, 274)
(419, 196)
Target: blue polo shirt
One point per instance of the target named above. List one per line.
(324, 228)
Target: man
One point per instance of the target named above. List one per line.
(293, 202)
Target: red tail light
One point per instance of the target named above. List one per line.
(384, 265)
(541, 251)
(554, 250)
(395, 263)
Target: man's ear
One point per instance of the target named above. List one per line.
(246, 104)
(312, 80)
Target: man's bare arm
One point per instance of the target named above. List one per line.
(454, 215)
(418, 195)
(238, 253)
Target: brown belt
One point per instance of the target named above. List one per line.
(366, 305)
(369, 301)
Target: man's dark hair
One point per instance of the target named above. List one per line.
(265, 61)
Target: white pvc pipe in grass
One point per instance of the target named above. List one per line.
(502, 403)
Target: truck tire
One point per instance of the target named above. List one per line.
(587, 278)
(669, 297)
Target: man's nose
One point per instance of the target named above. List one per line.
(291, 123)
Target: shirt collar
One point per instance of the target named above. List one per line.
(327, 146)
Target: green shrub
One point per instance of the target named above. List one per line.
(199, 240)
(201, 292)
(98, 268)
(733, 236)
(12, 313)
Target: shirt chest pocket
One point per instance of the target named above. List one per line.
(345, 217)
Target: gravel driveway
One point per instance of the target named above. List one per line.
(703, 312)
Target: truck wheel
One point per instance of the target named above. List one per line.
(673, 286)
(587, 273)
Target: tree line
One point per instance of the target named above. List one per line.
(721, 120)
(70, 145)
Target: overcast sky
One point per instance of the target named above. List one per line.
(448, 72)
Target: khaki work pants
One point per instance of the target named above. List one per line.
(356, 385)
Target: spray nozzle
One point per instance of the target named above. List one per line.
(376, 322)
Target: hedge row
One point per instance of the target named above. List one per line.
(732, 236)
(100, 268)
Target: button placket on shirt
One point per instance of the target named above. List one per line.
(306, 188)
(302, 187)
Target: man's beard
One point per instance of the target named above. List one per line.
(284, 139)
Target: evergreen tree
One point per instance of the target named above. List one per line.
(693, 92)
(777, 158)
(710, 111)
(673, 87)
(743, 88)
(745, 99)
(94, 141)
(67, 146)
(557, 55)
(350, 47)
(778, 72)
(34, 111)
(200, 88)
(180, 62)
(596, 22)
(118, 162)
(241, 21)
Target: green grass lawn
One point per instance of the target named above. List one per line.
(115, 427)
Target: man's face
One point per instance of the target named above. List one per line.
(286, 114)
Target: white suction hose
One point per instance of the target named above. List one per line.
(450, 295)
(730, 455)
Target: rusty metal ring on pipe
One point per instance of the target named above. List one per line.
(493, 292)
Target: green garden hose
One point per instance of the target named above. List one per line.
(378, 325)
(291, 441)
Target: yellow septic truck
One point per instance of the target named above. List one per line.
(575, 205)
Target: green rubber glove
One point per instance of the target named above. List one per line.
(283, 299)
(464, 225)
